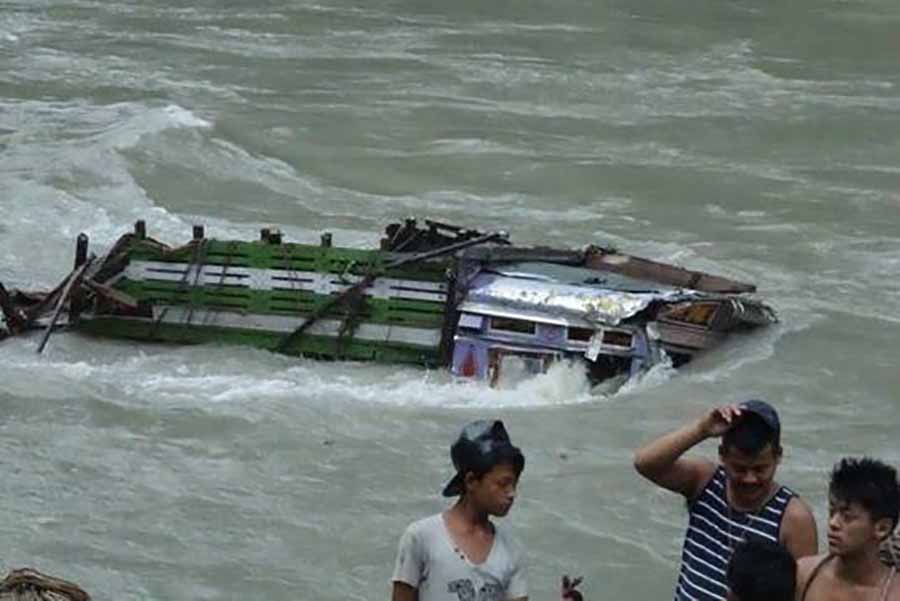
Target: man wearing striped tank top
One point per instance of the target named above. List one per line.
(735, 500)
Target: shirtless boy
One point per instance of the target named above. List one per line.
(863, 508)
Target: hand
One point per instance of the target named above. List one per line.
(567, 591)
(719, 420)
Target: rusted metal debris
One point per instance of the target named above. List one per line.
(28, 584)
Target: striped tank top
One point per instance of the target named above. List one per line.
(714, 530)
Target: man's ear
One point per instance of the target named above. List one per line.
(883, 528)
(469, 478)
(723, 452)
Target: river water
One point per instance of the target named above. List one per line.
(754, 140)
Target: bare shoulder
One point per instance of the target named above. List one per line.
(894, 592)
(807, 564)
(799, 533)
(686, 475)
(706, 468)
(798, 515)
(805, 567)
(798, 508)
(701, 471)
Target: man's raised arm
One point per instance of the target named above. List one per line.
(661, 460)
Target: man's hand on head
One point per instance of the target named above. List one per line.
(719, 420)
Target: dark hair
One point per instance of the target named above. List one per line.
(508, 454)
(481, 445)
(751, 434)
(870, 483)
(761, 570)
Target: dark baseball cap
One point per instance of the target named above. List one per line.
(481, 445)
(765, 412)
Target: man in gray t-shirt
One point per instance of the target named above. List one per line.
(459, 555)
(429, 560)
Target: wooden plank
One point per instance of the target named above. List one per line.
(111, 294)
(73, 280)
(690, 338)
(645, 269)
(308, 346)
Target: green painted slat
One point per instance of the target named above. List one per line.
(299, 302)
(426, 271)
(295, 257)
(288, 303)
(348, 260)
(312, 346)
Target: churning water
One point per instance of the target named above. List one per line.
(754, 140)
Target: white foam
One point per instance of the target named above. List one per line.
(471, 146)
(654, 377)
(561, 385)
(743, 350)
(198, 376)
(181, 117)
(14, 25)
(64, 185)
(141, 121)
(214, 388)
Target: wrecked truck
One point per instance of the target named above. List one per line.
(431, 294)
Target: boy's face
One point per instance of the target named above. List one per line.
(495, 491)
(850, 527)
(749, 476)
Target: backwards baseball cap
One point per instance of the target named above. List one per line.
(481, 445)
(765, 412)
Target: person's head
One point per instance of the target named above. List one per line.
(751, 450)
(761, 571)
(487, 465)
(863, 505)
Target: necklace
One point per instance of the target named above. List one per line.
(736, 527)
(732, 527)
(886, 582)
